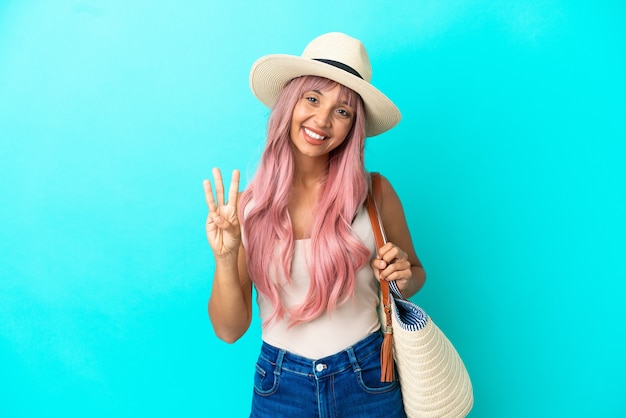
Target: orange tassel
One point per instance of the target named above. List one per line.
(386, 358)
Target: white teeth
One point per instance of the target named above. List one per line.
(313, 134)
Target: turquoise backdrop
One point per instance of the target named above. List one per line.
(509, 160)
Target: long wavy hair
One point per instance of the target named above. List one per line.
(336, 253)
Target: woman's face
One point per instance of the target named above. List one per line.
(320, 122)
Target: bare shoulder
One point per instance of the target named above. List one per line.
(389, 199)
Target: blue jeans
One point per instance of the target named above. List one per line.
(346, 384)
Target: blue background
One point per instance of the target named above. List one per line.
(509, 161)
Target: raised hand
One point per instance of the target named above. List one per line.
(222, 224)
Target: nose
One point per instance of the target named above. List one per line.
(323, 117)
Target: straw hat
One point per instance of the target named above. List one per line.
(336, 56)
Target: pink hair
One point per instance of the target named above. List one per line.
(336, 253)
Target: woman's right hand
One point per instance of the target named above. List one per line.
(223, 230)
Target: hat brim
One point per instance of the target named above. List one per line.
(271, 73)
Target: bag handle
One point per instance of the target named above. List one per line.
(386, 352)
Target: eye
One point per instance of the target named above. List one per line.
(311, 99)
(344, 113)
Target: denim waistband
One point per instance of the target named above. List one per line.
(326, 366)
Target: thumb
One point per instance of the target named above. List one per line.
(381, 264)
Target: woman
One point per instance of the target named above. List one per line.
(301, 235)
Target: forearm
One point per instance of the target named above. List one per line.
(415, 283)
(230, 301)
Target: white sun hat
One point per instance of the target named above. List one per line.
(335, 56)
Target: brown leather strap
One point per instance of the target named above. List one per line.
(386, 354)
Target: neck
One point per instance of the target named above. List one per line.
(310, 172)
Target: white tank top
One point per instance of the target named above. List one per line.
(333, 331)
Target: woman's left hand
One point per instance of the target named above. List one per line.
(392, 264)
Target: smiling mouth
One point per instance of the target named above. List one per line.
(313, 135)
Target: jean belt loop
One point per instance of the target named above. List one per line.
(353, 360)
(279, 362)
